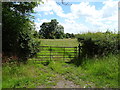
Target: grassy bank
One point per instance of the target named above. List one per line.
(93, 73)
(26, 76)
(100, 73)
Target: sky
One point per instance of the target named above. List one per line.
(79, 17)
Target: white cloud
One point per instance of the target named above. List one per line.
(45, 20)
(84, 9)
(73, 27)
(110, 8)
(108, 18)
(69, 21)
(48, 13)
(51, 13)
(49, 6)
(103, 19)
(37, 26)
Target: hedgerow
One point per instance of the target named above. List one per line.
(98, 44)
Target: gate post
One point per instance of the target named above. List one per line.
(64, 54)
(50, 53)
(79, 47)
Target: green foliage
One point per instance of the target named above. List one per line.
(36, 34)
(68, 35)
(59, 35)
(100, 72)
(93, 73)
(28, 46)
(17, 29)
(26, 76)
(51, 30)
(98, 44)
(103, 70)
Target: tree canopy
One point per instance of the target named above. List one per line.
(51, 30)
(17, 27)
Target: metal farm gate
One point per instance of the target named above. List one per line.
(56, 53)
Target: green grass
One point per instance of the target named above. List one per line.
(59, 42)
(26, 76)
(103, 72)
(55, 51)
(97, 72)
(93, 73)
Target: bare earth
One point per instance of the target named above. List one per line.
(62, 83)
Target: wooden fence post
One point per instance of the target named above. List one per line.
(50, 53)
(76, 52)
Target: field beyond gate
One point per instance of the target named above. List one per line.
(55, 52)
(57, 49)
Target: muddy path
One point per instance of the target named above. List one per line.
(61, 82)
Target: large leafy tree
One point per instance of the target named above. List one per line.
(59, 34)
(51, 30)
(17, 27)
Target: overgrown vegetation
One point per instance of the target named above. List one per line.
(99, 53)
(18, 40)
(97, 72)
(98, 44)
(28, 75)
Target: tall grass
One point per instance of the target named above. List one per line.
(96, 73)
(26, 76)
(103, 71)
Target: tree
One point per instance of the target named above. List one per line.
(59, 34)
(51, 30)
(16, 29)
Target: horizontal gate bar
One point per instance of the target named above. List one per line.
(63, 52)
(57, 47)
(48, 59)
(54, 57)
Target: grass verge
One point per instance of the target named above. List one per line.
(26, 76)
(93, 73)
